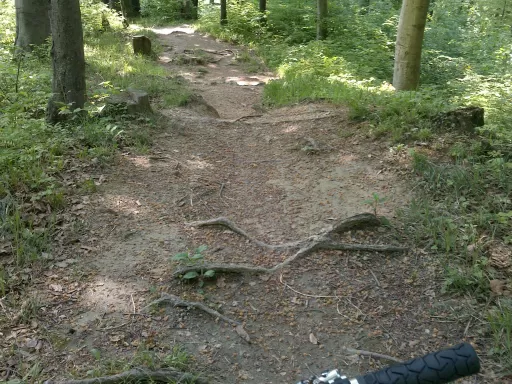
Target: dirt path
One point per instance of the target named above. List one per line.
(259, 172)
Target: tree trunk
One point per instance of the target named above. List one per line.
(32, 23)
(130, 8)
(115, 5)
(263, 6)
(321, 26)
(127, 9)
(68, 60)
(195, 10)
(136, 7)
(189, 9)
(409, 40)
(223, 12)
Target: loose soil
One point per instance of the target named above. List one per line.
(282, 175)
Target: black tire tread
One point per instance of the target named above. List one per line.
(435, 368)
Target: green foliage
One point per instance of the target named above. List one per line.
(162, 11)
(472, 280)
(500, 320)
(192, 259)
(97, 18)
(375, 202)
(244, 22)
(145, 357)
(33, 154)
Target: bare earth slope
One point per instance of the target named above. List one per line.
(281, 175)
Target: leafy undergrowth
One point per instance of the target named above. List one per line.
(462, 208)
(35, 158)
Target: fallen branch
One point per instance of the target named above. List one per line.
(313, 243)
(137, 375)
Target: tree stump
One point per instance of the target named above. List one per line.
(139, 102)
(141, 45)
(462, 119)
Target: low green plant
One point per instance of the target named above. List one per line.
(500, 320)
(375, 202)
(145, 357)
(3, 281)
(194, 258)
(470, 280)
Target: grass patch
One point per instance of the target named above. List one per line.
(500, 320)
(146, 356)
(33, 154)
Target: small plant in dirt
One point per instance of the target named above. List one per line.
(375, 202)
(500, 320)
(194, 258)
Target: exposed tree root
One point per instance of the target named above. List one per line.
(375, 355)
(178, 302)
(136, 376)
(313, 243)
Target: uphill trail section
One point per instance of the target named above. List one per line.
(281, 175)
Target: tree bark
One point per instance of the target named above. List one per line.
(127, 9)
(223, 12)
(68, 60)
(321, 26)
(136, 7)
(409, 40)
(263, 6)
(32, 23)
(195, 10)
(115, 5)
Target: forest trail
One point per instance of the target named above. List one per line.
(224, 154)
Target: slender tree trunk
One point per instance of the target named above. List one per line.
(68, 60)
(263, 6)
(409, 40)
(115, 5)
(136, 7)
(32, 23)
(195, 9)
(321, 24)
(130, 8)
(223, 12)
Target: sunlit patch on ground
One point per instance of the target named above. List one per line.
(180, 29)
